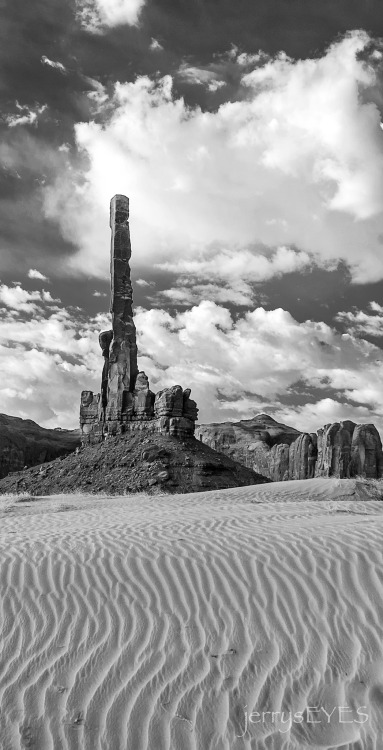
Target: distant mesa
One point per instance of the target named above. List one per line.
(25, 443)
(125, 402)
(281, 453)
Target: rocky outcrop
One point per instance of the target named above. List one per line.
(334, 449)
(342, 449)
(302, 457)
(25, 443)
(251, 442)
(135, 462)
(366, 452)
(126, 403)
(278, 463)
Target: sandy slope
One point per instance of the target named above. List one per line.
(158, 622)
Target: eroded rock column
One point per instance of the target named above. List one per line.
(122, 365)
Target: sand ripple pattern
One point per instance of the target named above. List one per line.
(210, 621)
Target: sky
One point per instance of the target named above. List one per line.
(248, 137)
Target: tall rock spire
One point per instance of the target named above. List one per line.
(126, 402)
(122, 366)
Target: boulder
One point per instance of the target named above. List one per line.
(143, 397)
(169, 402)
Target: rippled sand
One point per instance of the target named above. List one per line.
(164, 622)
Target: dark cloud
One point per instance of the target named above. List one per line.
(299, 28)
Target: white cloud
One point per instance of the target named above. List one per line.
(233, 271)
(237, 368)
(143, 282)
(296, 161)
(99, 294)
(34, 274)
(20, 300)
(94, 15)
(27, 116)
(98, 95)
(48, 355)
(200, 76)
(189, 293)
(52, 64)
(310, 417)
(362, 323)
(155, 45)
(44, 387)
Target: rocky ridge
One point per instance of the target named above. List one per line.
(341, 449)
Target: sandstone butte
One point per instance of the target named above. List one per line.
(341, 449)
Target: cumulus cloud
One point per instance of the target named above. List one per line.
(311, 416)
(238, 367)
(42, 385)
(362, 323)
(48, 354)
(34, 274)
(53, 64)
(295, 162)
(94, 15)
(28, 115)
(200, 77)
(188, 293)
(20, 300)
(234, 273)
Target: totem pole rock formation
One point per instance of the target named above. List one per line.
(122, 365)
(126, 401)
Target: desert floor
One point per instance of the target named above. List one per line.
(182, 622)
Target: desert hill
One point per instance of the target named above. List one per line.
(134, 462)
(248, 441)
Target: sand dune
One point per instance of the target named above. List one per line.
(164, 622)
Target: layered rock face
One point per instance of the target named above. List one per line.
(346, 449)
(341, 449)
(25, 443)
(250, 441)
(126, 402)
